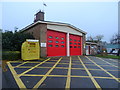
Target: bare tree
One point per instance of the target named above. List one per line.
(96, 39)
(99, 37)
(90, 38)
(115, 39)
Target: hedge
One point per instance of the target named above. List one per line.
(11, 55)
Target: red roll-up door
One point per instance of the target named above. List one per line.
(75, 45)
(56, 43)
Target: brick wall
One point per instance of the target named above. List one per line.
(39, 31)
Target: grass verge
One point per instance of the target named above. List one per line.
(108, 56)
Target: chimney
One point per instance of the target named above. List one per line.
(39, 16)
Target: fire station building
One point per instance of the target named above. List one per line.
(56, 39)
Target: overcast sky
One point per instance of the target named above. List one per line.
(95, 18)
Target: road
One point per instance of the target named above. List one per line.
(64, 72)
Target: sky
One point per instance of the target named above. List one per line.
(95, 18)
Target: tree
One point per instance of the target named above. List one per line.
(13, 41)
(90, 38)
(115, 39)
(99, 38)
(96, 39)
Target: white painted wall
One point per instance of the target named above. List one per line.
(68, 45)
(65, 29)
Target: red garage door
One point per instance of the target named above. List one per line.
(56, 43)
(75, 45)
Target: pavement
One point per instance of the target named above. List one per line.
(64, 72)
(0, 75)
(0, 62)
(0, 78)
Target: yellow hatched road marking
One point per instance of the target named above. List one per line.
(34, 67)
(68, 75)
(90, 75)
(40, 82)
(17, 79)
(103, 69)
(107, 62)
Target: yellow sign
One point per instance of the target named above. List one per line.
(30, 50)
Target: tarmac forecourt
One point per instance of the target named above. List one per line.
(67, 72)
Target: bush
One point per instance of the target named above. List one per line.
(11, 55)
(13, 41)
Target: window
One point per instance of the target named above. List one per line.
(70, 39)
(56, 45)
(75, 40)
(62, 45)
(50, 41)
(70, 46)
(62, 42)
(78, 40)
(50, 45)
(62, 38)
(50, 37)
(78, 46)
(78, 43)
(75, 43)
(57, 42)
(70, 42)
(75, 47)
(57, 37)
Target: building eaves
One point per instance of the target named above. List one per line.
(52, 23)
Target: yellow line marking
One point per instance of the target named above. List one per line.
(78, 68)
(61, 67)
(40, 82)
(64, 68)
(32, 75)
(63, 63)
(34, 62)
(114, 61)
(21, 64)
(104, 77)
(105, 65)
(53, 60)
(90, 75)
(81, 76)
(34, 67)
(68, 75)
(45, 75)
(112, 70)
(15, 61)
(107, 62)
(17, 79)
(103, 69)
(45, 62)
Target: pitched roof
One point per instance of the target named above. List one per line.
(53, 23)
